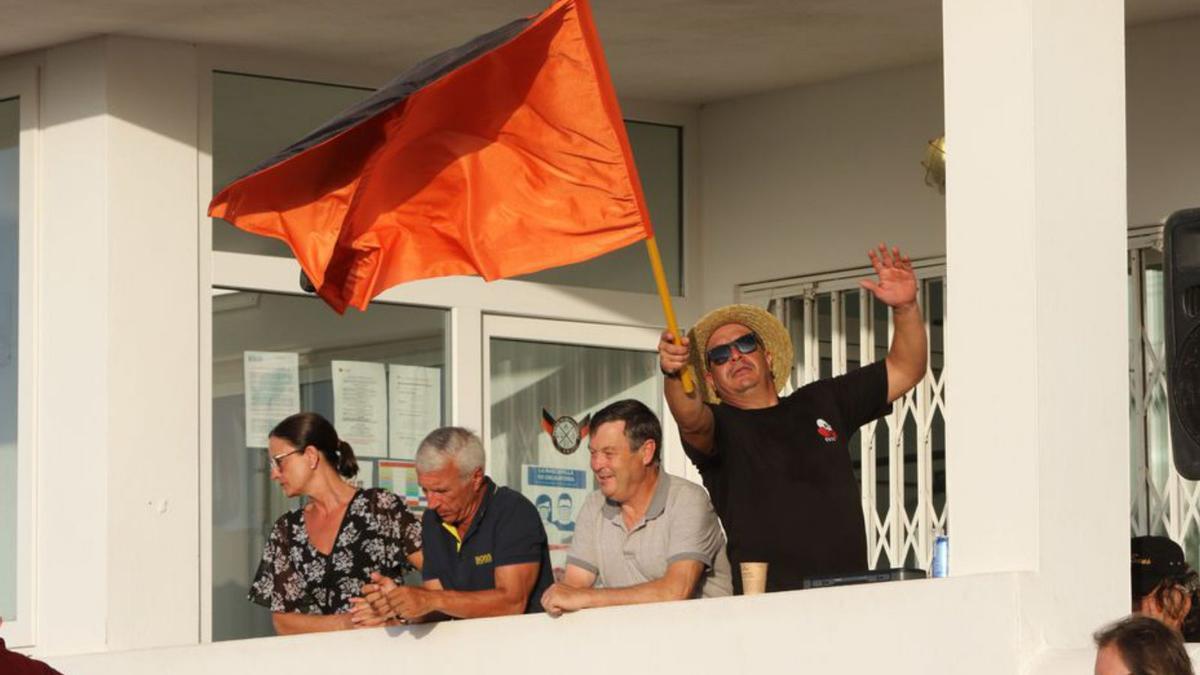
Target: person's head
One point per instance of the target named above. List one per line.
(624, 445)
(305, 447)
(743, 352)
(737, 362)
(565, 506)
(1140, 645)
(545, 506)
(1163, 584)
(450, 465)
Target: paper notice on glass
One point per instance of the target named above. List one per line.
(272, 392)
(360, 406)
(414, 407)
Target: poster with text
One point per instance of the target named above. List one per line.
(558, 495)
(272, 392)
(414, 407)
(360, 405)
(400, 476)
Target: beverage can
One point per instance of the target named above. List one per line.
(941, 556)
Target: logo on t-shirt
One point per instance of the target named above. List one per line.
(826, 431)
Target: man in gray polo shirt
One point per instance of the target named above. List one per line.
(645, 535)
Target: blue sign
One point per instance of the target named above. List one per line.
(552, 477)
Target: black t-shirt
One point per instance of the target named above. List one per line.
(506, 530)
(781, 480)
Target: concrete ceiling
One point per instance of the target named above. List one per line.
(690, 51)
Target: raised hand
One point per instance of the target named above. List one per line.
(897, 284)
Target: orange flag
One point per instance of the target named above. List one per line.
(502, 157)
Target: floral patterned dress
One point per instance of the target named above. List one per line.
(377, 534)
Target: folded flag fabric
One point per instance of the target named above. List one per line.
(504, 156)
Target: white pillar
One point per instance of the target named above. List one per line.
(72, 425)
(153, 347)
(1037, 433)
(118, 447)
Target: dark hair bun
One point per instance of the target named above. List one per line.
(308, 428)
(347, 465)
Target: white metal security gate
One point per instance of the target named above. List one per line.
(1162, 501)
(900, 459)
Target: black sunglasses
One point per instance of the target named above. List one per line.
(746, 344)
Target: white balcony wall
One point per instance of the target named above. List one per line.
(118, 554)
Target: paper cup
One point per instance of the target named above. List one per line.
(754, 578)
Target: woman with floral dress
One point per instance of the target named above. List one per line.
(318, 557)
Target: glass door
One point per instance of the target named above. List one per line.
(543, 381)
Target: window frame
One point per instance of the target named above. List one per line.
(21, 82)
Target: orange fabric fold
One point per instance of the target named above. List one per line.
(514, 162)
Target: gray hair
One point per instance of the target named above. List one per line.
(455, 444)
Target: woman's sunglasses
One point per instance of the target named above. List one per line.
(719, 355)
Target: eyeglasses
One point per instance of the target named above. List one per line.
(277, 460)
(746, 344)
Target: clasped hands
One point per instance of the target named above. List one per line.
(386, 603)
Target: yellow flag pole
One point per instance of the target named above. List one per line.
(664, 294)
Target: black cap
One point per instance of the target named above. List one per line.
(1153, 559)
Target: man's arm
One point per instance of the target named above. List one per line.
(897, 288)
(908, 356)
(694, 419)
(677, 584)
(574, 578)
(514, 583)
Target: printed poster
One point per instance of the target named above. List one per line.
(360, 405)
(400, 476)
(272, 392)
(414, 407)
(558, 495)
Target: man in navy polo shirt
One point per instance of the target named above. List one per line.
(485, 547)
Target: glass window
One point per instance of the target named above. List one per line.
(380, 376)
(533, 383)
(9, 215)
(254, 117)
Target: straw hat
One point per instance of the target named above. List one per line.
(772, 333)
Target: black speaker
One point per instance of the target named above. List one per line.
(1181, 269)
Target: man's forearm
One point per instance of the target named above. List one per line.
(693, 418)
(658, 590)
(477, 604)
(907, 358)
